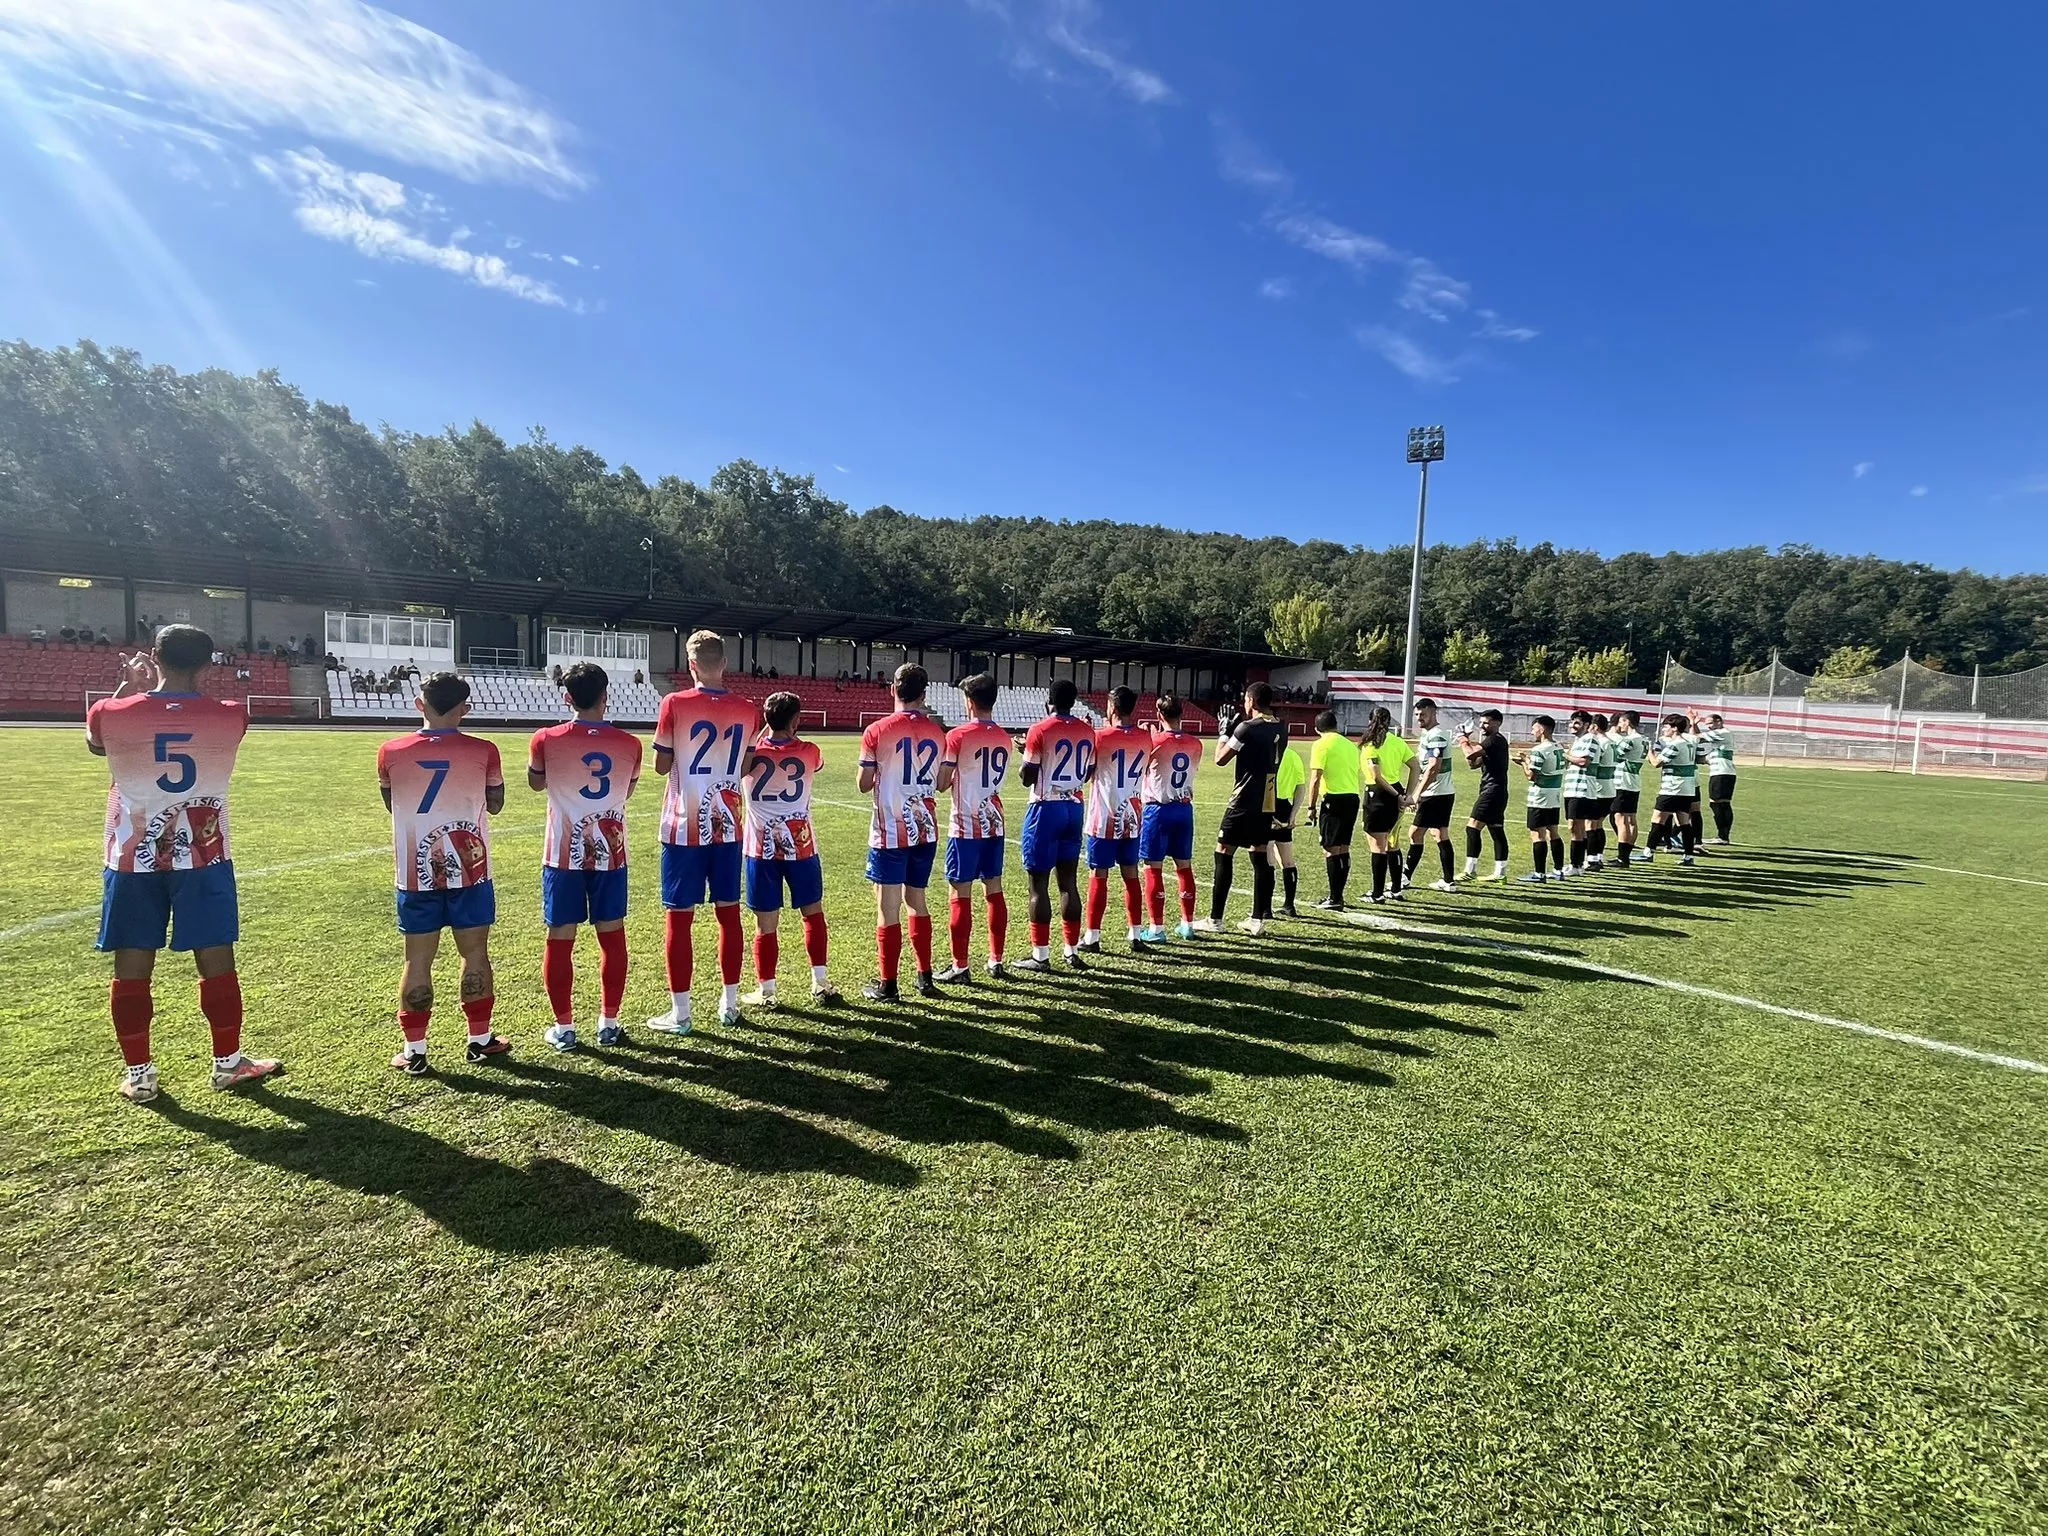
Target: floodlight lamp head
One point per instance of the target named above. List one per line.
(1425, 445)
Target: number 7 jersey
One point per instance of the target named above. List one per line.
(440, 821)
(709, 731)
(591, 767)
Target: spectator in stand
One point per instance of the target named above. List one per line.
(37, 635)
(772, 673)
(67, 634)
(639, 678)
(555, 674)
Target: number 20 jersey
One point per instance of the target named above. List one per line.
(591, 767)
(171, 756)
(709, 731)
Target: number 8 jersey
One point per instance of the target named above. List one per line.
(709, 731)
(591, 767)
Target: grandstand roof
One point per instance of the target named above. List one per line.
(362, 587)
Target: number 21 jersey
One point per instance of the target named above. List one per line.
(709, 731)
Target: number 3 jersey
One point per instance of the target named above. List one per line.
(1114, 808)
(709, 731)
(779, 799)
(440, 822)
(979, 755)
(171, 756)
(904, 750)
(591, 767)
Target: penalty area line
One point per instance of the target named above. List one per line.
(1615, 973)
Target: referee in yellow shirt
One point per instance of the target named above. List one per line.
(1333, 791)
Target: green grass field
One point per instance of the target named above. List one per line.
(1337, 1230)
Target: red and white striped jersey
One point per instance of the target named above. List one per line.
(979, 754)
(440, 822)
(1121, 753)
(779, 799)
(591, 767)
(904, 749)
(709, 731)
(1063, 746)
(1170, 771)
(171, 755)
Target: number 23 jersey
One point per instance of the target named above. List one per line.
(779, 799)
(709, 731)
(591, 767)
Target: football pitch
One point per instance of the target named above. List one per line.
(1428, 1224)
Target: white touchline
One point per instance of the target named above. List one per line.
(1420, 930)
(1870, 861)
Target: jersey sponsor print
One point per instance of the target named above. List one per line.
(591, 767)
(709, 731)
(1063, 746)
(779, 799)
(1116, 793)
(170, 756)
(979, 754)
(1170, 768)
(440, 826)
(904, 749)
(1434, 746)
(1546, 767)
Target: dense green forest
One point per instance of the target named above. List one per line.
(94, 441)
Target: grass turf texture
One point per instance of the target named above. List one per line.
(1334, 1230)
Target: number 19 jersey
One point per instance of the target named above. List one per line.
(979, 755)
(591, 767)
(709, 731)
(904, 750)
(440, 822)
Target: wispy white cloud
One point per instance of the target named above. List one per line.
(842, 469)
(2031, 485)
(1044, 35)
(1409, 356)
(1432, 292)
(572, 261)
(1277, 288)
(1918, 490)
(1243, 164)
(368, 211)
(513, 242)
(1862, 468)
(1493, 328)
(336, 71)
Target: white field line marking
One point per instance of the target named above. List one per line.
(1922, 1042)
(1870, 861)
(289, 866)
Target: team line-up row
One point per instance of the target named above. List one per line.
(736, 827)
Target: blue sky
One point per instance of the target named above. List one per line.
(1671, 277)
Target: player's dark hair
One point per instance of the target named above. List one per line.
(1580, 714)
(585, 684)
(1261, 695)
(1677, 721)
(981, 689)
(1715, 720)
(184, 647)
(1425, 703)
(1600, 722)
(1122, 701)
(1379, 725)
(781, 710)
(1490, 714)
(442, 691)
(1327, 720)
(911, 681)
(1545, 721)
(1632, 717)
(1169, 708)
(1061, 695)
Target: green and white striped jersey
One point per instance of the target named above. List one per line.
(1603, 770)
(1629, 751)
(1719, 751)
(1678, 761)
(1581, 774)
(1546, 788)
(1434, 746)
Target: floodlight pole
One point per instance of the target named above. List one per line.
(1425, 447)
(648, 545)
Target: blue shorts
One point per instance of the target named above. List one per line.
(969, 859)
(902, 866)
(582, 896)
(1052, 834)
(466, 906)
(1112, 853)
(766, 878)
(194, 908)
(687, 873)
(1168, 832)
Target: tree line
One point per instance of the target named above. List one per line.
(95, 441)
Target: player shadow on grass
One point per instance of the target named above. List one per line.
(480, 1201)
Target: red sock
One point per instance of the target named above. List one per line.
(732, 945)
(998, 924)
(960, 928)
(133, 1008)
(220, 999)
(677, 950)
(1187, 894)
(1155, 896)
(1071, 927)
(1098, 901)
(767, 955)
(921, 940)
(478, 1011)
(814, 936)
(1041, 934)
(558, 975)
(1133, 913)
(611, 969)
(889, 948)
(413, 1024)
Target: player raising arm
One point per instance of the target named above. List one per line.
(899, 766)
(442, 786)
(588, 768)
(1059, 759)
(977, 760)
(703, 746)
(171, 751)
(1253, 741)
(1434, 795)
(1167, 825)
(1720, 766)
(782, 850)
(1115, 815)
(1677, 786)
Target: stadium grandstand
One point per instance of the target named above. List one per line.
(306, 641)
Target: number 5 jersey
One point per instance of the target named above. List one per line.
(171, 756)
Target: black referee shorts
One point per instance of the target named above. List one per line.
(1336, 820)
(1245, 829)
(1382, 810)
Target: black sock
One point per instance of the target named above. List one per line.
(1623, 851)
(1596, 844)
(1290, 881)
(1379, 873)
(1472, 843)
(1541, 850)
(1219, 885)
(1443, 856)
(1557, 852)
(1500, 841)
(1578, 853)
(1262, 888)
(1724, 819)
(1688, 837)
(1338, 864)
(1414, 858)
